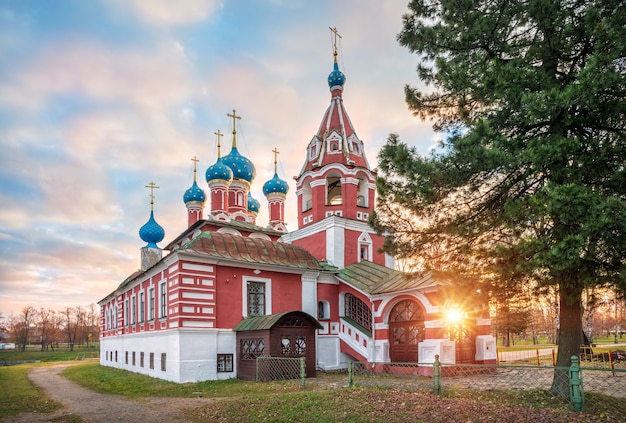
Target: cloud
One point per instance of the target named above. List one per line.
(170, 13)
(146, 77)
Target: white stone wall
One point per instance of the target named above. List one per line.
(196, 361)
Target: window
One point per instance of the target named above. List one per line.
(323, 310)
(224, 363)
(141, 359)
(126, 312)
(152, 360)
(357, 311)
(313, 151)
(355, 147)
(126, 358)
(163, 300)
(307, 196)
(142, 307)
(364, 252)
(293, 346)
(333, 145)
(116, 356)
(151, 303)
(163, 361)
(252, 348)
(256, 299)
(362, 192)
(133, 310)
(134, 357)
(333, 191)
(365, 247)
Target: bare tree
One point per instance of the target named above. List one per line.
(74, 318)
(19, 326)
(91, 326)
(49, 324)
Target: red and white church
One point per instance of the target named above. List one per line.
(226, 290)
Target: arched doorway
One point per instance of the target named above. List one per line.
(406, 330)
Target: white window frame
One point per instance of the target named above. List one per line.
(163, 299)
(151, 303)
(133, 309)
(142, 307)
(244, 293)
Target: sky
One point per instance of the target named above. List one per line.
(100, 97)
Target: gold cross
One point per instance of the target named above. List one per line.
(219, 138)
(152, 186)
(334, 31)
(275, 151)
(195, 162)
(235, 117)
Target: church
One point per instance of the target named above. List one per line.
(227, 290)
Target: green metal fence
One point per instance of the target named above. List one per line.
(598, 391)
(279, 368)
(601, 391)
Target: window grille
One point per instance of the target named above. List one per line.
(252, 348)
(256, 299)
(224, 363)
(358, 311)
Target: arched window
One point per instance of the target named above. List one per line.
(333, 186)
(362, 195)
(323, 310)
(307, 197)
(356, 310)
(365, 247)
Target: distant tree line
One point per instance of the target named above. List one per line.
(49, 328)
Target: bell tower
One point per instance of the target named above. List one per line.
(336, 188)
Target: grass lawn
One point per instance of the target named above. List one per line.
(19, 394)
(245, 401)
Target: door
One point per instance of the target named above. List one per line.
(406, 330)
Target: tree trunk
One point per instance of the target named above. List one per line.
(570, 334)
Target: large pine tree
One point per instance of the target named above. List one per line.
(530, 178)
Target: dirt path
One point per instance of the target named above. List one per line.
(101, 408)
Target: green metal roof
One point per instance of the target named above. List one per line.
(376, 279)
(251, 250)
(268, 321)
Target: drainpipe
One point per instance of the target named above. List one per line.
(373, 331)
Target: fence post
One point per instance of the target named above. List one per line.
(576, 394)
(302, 371)
(350, 373)
(437, 375)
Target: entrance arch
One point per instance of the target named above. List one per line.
(406, 330)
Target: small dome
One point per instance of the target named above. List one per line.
(275, 185)
(336, 77)
(219, 171)
(241, 166)
(151, 232)
(253, 204)
(194, 194)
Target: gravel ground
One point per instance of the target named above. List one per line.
(92, 407)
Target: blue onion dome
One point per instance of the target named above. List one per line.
(194, 194)
(253, 204)
(275, 185)
(336, 77)
(219, 171)
(151, 232)
(241, 166)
